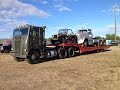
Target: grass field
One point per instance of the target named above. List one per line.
(97, 71)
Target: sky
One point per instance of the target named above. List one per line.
(58, 14)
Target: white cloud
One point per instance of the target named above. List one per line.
(106, 10)
(60, 4)
(17, 8)
(44, 1)
(12, 13)
(62, 8)
(112, 26)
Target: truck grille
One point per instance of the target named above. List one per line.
(17, 47)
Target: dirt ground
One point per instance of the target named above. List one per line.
(97, 71)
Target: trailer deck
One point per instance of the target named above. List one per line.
(80, 47)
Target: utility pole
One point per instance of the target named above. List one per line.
(116, 11)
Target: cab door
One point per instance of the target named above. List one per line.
(34, 37)
(37, 37)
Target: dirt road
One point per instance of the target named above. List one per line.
(97, 71)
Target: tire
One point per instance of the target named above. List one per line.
(53, 42)
(71, 52)
(2, 51)
(33, 57)
(18, 59)
(85, 43)
(62, 53)
(61, 40)
(6, 51)
(73, 40)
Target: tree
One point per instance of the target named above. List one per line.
(112, 37)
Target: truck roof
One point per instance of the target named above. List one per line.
(27, 25)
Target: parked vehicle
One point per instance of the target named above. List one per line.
(29, 43)
(6, 46)
(64, 35)
(99, 41)
(85, 37)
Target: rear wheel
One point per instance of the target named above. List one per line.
(33, 57)
(73, 40)
(71, 52)
(85, 43)
(62, 53)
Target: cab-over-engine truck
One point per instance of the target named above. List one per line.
(29, 43)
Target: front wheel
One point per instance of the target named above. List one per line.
(33, 57)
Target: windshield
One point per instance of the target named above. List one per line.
(20, 32)
(63, 31)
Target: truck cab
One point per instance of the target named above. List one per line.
(26, 40)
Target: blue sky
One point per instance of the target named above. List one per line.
(57, 14)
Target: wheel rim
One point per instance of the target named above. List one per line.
(34, 57)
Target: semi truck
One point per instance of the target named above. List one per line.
(29, 43)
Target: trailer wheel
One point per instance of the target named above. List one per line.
(71, 52)
(18, 59)
(33, 57)
(62, 53)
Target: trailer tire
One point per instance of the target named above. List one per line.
(33, 57)
(71, 52)
(18, 59)
(62, 53)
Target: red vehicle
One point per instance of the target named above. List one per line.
(6, 46)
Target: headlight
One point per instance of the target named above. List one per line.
(1, 48)
(25, 49)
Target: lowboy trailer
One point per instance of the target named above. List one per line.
(70, 49)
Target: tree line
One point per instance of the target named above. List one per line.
(112, 37)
